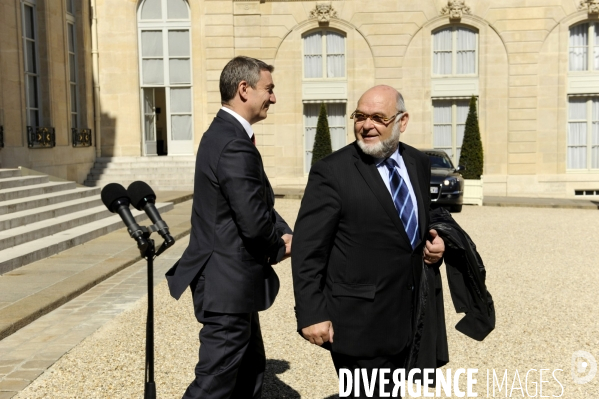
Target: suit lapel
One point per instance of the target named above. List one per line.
(240, 132)
(415, 180)
(373, 179)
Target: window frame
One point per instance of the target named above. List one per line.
(164, 25)
(26, 74)
(590, 47)
(589, 136)
(454, 51)
(307, 167)
(73, 85)
(323, 32)
(70, 3)
(454, 127)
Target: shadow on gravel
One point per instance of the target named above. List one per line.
(273, 387)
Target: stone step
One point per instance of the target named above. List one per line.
(4, 173)
(19, 255)
(161, 173)
(181, 187)
(39, 189)
(23, 204)
(179, 178)
(116, 160)
(167, 170)
(37, 230)
(142, 166)
(22, 181)
(27, 217)
(157, 185)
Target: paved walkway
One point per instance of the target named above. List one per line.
(26, 354)
(527, 202)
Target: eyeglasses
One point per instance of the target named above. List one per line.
(360, 117)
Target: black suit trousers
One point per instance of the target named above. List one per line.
(231, 359)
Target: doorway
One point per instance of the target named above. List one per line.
(155, 126)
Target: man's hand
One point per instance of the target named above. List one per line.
(287, 238)
(433, 250)
(319, 333)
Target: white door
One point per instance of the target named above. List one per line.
(179, 101)
(180, 133)
(149, 122)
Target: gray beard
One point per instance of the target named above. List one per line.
(382, 149)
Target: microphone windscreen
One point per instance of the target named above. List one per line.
(138, 191)
(112, 192)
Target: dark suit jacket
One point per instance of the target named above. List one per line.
(236, 233)
(352, 260)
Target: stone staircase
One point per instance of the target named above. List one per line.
(40, 217)
(163, 173)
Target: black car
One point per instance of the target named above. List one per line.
(447, 184)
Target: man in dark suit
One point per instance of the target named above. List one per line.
(236, 236)
(361, 236)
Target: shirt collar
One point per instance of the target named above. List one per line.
(396, 156)
(246, 125)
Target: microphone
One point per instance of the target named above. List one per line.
(115, 197)
(143, 198)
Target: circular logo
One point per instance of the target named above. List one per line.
(584, 367)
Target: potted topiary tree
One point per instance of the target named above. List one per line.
(471, 158)
(322, 140)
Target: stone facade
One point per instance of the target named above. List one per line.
(63, 160)
(522, 78)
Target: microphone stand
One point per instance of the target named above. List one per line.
(149, 253)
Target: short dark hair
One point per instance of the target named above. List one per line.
(237, 70)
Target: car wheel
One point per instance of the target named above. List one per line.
(456, 208)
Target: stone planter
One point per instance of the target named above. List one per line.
(473, 191)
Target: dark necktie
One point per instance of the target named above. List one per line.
(253, 139)
(403, 201)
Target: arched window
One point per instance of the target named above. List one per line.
(584, 40)
(324, 55)
(164, 10)
(583, 104)
(165, 76)
(455, 51)
(324, 82)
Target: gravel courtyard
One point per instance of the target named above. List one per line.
(541, 270)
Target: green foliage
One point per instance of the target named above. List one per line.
(471, 156)
(322, 141)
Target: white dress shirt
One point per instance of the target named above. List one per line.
(246, 125)
(403, 172)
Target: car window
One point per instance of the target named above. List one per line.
(439, 161)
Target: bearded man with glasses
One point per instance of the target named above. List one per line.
(360, 238)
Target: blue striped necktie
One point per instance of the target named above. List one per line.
(403, 201)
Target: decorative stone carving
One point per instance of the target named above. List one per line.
(591, 5)
(323, 12)
(455, 9)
